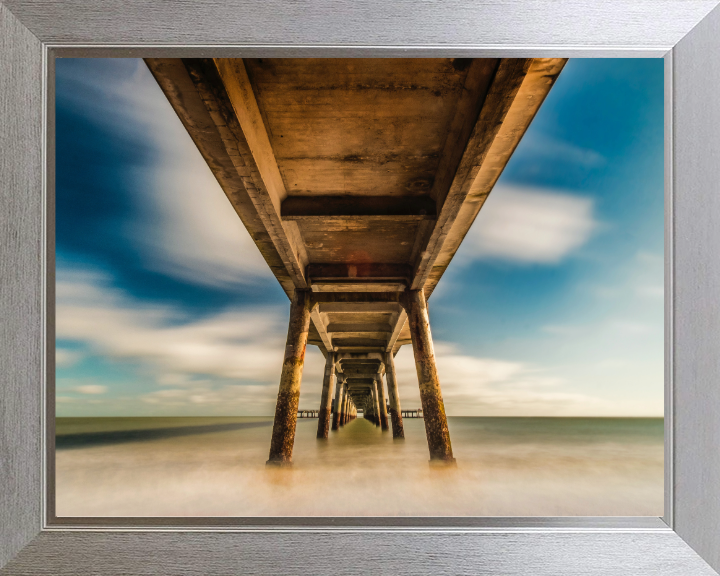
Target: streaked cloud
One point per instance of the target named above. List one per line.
(90, 389)
(230, 362)
(233, 354)
(529, 225)
(65, 358)
(651, 291)
(554, 150)
(187, 228)
(239, 344)
(473, 386)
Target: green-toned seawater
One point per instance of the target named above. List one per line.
(216, 467)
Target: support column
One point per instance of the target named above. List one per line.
(346, 407)
(286, 409)
(436, 428)
(396, 420)
(383, 403)
(376, 402)
(326, 399)
(343, 398)
(338, 394)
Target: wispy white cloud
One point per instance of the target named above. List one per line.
(641, 281)
(239, 344)
(564, 330)
(189, 229)
(529, 225)
(621, 327)
(473, 386)
(90, 389)
(231, 362)
(542, 146)
(193, 232)
(231, 398)
(65, 358)
(651, 291)
(236, 354)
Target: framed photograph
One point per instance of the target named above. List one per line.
(356, 145)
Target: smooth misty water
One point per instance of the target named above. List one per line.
(216, 467)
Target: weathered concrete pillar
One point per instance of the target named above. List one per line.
(343, 398)
(395, 411)
(338, 398)
(286, 409)
(436, 428)
(346, 407)
(376, 402)
(324, 414)
(382, 400)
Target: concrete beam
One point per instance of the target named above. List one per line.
(397, 329)
(476, 154)
(358, 328)
(357, 297)
(320, 325)
(478, 117)
(358, 277)
(358, 307)
(360, 349)
(360, 285)
(348, 357)
(359, 373)
(343, 343)
(258, 157)
(323, 208)
(376, 271)
(205, 112)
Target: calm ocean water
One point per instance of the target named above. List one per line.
(216, 467)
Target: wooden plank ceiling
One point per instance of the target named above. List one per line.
(357, 178)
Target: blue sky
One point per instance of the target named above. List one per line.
(552, 306)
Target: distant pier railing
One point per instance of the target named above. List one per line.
(412, 413)
(308, 413)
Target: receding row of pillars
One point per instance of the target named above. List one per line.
(344, 409)
(376, 409)
(436, 429)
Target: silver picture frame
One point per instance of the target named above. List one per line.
(684, 542)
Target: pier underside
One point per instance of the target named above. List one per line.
(358, 180)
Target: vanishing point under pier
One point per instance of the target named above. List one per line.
(357, 179)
